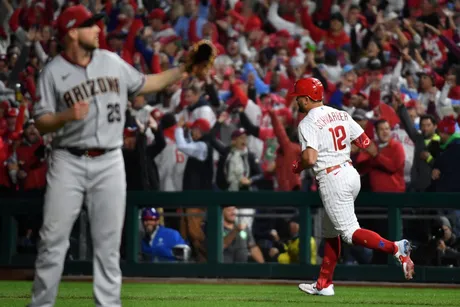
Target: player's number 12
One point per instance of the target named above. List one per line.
(338, 136)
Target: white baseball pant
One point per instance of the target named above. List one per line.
(338, 191)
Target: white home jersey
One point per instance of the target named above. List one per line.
(171, 166)
(330, 132)
(204, 112)
(409, 149)
(254, 114)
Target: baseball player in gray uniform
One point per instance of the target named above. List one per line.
(83, 97)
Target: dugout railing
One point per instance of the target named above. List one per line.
(214, 268)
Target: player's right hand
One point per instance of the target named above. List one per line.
(79, 110)
(241, 227)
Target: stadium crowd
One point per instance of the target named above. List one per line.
(393, 65)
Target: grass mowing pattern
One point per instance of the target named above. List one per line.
(73, 294)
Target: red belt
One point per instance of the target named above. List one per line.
(90, 152)
(94, 153)
(333, 168)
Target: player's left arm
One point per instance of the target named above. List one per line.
(357, 135)
(362, 141)
(140, 84)
(157, 82)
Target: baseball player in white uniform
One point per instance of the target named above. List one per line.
(171, 161)
(83, 98)
(326, 135)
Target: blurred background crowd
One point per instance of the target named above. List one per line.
(393, 65)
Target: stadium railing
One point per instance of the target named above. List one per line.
(214, 268)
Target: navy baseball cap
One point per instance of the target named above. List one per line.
(150, 214)
(77, 16)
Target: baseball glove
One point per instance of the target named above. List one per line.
(200, 58)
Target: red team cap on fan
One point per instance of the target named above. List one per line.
(309, 87)
(447, 125)
(13, 112)
(253, 24)
(156, 114)
(157, 14)
(201, 124)
(411, 104)
(77, 16)
(170, 39)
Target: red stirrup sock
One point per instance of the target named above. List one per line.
(372, 240)
(331, 256)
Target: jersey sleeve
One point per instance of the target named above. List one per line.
(308, 136)
(46, 95)
(204, 112)
(355, 130)
(133, 79)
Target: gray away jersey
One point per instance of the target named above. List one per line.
(106, 83)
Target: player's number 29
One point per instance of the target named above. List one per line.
(114, 113)
(338, 136)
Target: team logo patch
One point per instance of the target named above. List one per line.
(71, 23)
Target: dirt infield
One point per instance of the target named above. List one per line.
(279, 282)
(8, 274)
(16, 274)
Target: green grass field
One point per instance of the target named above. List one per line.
(73, 294)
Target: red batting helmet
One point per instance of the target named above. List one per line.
(310, 87)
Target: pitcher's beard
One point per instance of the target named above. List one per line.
(87, 47)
